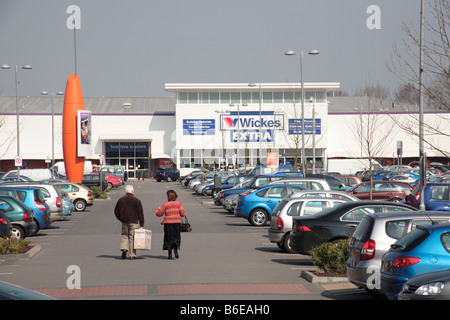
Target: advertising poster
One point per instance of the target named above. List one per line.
(84, 133)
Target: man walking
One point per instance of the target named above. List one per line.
(130, 212)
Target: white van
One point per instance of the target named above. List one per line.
(34, 174)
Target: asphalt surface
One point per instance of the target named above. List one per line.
(224, 258)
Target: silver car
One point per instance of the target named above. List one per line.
(323, 193)
(373, 238)
(281, 217)
(308, 183)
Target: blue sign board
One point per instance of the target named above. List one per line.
(202, 127)
(295, 126)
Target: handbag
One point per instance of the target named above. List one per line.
(185, 225)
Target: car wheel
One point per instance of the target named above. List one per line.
(287, 243)
(396, 200)
(258, 217)
(79, 205)
(110, 186)
(169, 179)
(17, 232)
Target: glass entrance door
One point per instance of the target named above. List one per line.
(128, 164)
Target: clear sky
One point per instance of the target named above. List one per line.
(132, 48)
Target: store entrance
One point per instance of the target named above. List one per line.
(133, 156)
(128, 164)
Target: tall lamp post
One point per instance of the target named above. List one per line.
(292, 53)
(260, 123)
(25, 67)
(60, 93)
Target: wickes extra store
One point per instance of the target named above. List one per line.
(240, 123)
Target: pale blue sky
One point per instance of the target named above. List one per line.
(131, 48)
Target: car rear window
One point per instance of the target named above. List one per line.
(364, 229)
(410, 240)
(276, 211)
(396, 229)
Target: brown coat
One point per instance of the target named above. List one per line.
(129, 210)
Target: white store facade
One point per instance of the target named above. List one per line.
(211, 124)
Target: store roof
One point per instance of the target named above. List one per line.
(101, 106)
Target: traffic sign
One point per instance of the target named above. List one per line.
(18, 161)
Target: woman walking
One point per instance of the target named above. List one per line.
(172, 211)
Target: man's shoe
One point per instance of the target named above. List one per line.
(176, 254)
(124, 254)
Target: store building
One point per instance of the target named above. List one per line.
(212, 124)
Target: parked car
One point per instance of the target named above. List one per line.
(336, 223)
(229, 203)
(323, 193)
(307, 183)
(67, 204)
(10, 291)
(80, 195)
(51, 195)
(193, 175)
(425, 249)
(33, 198)
(436, 196)
(207, 187)
(381, 190)
(427, 286)
(20, 215)
(230, 182)
(93, 179)
(113, 181)
(257, 205)
(5, 225)
(253, 183)
(373, 238)
(117, 171)
(335, 183)
(403, 178)
(349, 180)
(281, 217)
(167, 174)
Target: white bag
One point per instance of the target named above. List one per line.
(142, 239)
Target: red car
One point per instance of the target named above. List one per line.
(113, 181)
(382, 190)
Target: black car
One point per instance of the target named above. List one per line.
(168, 174)
(336, 223)
(93, 179)
(5, 225)
(427, 286)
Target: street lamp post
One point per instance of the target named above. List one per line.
(239, 132)
(292, 53)
(25, 67)
(260, 122)
(44, 93)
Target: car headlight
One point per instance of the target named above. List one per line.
(430, 289)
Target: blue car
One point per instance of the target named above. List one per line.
(34, 199)
(253, 183)
(257, 205)
(436, 196)
(425, 249)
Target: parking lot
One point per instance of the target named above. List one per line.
(222, 258)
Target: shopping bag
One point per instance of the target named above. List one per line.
(142, 239)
